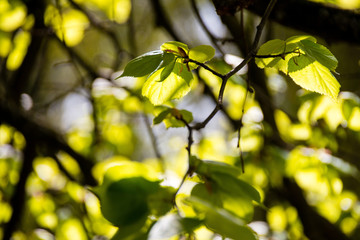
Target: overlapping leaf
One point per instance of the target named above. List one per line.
(168, 70)
(308, 63)
(173, 117)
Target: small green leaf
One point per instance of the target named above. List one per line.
(202, 54)
(159, 118)
(222, 221)
(235, 186)
(312, 75)
(277, 46)
(319, 53)
(167, 59)
(174, 120)
(207, 168)
(171, 117)
(175, 86)
(272, 47)
(167, 70)
(143, 65)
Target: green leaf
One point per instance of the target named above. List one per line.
(239, 205)
(207, 193)
(235, 186)
(296, 39)
(312, 75)
(167, 70)
(309, 66)
(207, 168)
(174, 120)
(143, 65)
(124, 202)
(161, 201)
(171, 116)
(132, 231)
(161, 116)
(319, 53)
(175, 86)
(166, 60)
(277, 46)
(202, 54)
(222, 221)
(272, 47)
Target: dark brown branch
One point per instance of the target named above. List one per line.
(330, 23)
(247, 59)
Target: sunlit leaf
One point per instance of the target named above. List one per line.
(175, 86)
(143, 65)
(202, 54)
(161, 116)
(272, 47)
(173, 47)
(173, 117)
(167, 70)
(319, 53)
(313, 76)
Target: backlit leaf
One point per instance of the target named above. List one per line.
(319, 53)
(175, 86)
(202, 53)
(167, 70)
(173, 47)
(313, 76)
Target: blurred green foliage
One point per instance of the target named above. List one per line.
(139, 169)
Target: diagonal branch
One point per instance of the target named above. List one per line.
(329, 22)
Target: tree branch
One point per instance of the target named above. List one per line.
(330, 23)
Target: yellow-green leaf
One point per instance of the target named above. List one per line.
(175, 86)
(202, 54)
(313, 76)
